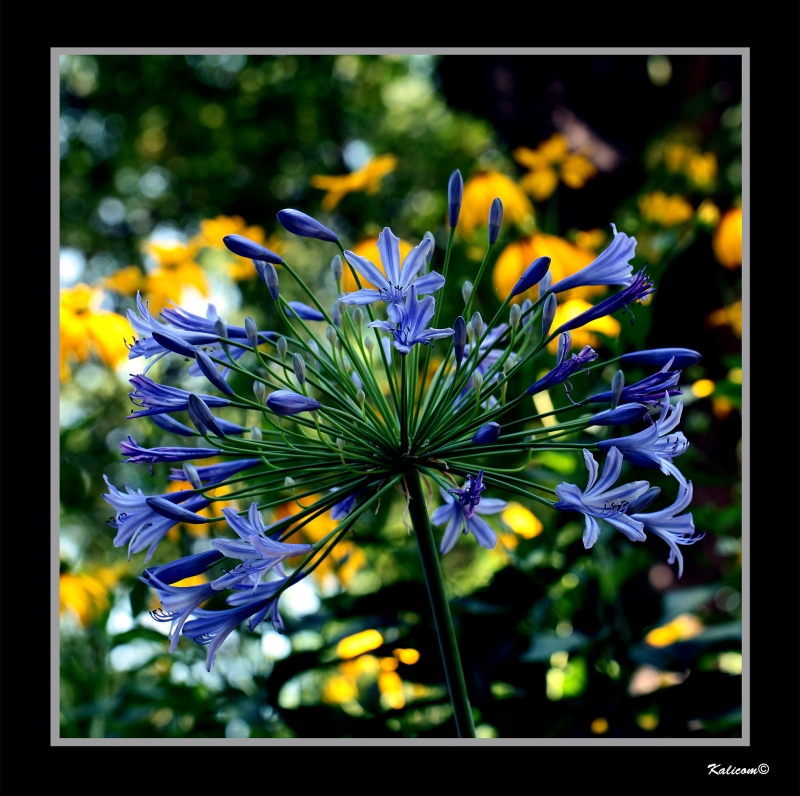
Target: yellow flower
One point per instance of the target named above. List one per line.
(566, 259)
(480, 190)
(359, 643)
(85, 328)
(87, 596)
(176, 269)
(728, 316)
(677, 155)
(521, 520)
(708, 214)
(667, 211)
(549, 161)
(369, 248)
(367, 178)
(585, 334)
(727, 240)
(591, 239)
(126, 280)
(702, 169)
(681, 628)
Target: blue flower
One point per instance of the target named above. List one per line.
(532, 276)
(487, 360)
(254, 547)
(166, 508)
(393, 286)
(168, 423)
(611, 267)
(649, 390)
(168, 454)
(680, 357)
(455, 193)
(177, 603)
(656, 446)
(455, 515)
(304, 312)
(344, 507)
(286, 402)
(411, 328)
(459, 338)
(487, 433)
(305, 226)
(600, 501)
(563, 370)
(640, 287)
(469, 495)
(667, 526)
(138, 524)
(160, 398)
(495, 219)
(245, 247)
(214, 473)
(621, 416)
(185, 567)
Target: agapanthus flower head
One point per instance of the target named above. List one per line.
(601, 500)
(392, 286)
(305, 226)
(611, 267)
(469, 495)
(657, 445)
(411, 327)
(454, 515)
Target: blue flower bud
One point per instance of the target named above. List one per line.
(270, 276)
(255, 434)
(486, 434)
(682, 357)
(299, 367)
(303, 311)
(282, 347)
(548, 313)
(617, 383)
(564, 344)
(286, 402)
(544, 285)
(330, 334)
(245, 247)
(210, 371)
(251, 330)
(336, 314)
(305, 226)
(466, 291)
(534, 273)
(455, 193)
(622, 415)
(183, 568)
(175, 344)
(260, 391)
(643, 501)
(201, 415)
(459, 338)
(495, 220)
(429, 255)
(173, 512)
(337, 267)
(192, 476)
(477, 324)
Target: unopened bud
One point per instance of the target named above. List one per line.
(369, 344)
(477, 324)
(192, 476)
(260, 391)
(507, 365)
(271, 278)
(337, 267)
(251, 330)
(617, 383)
(255, 434)
(358, 317)
(336, 313)
(527, 306)
(477, 380)
(330, 335)
(544, 285)
(515, 313)
(548, 313)
(459, 338)
(338, 344)
(466, 291)
(299, 367)
(360, 397)
(429, 255)
(288, 481)
(282, 347)
(340, 443)
(564, 344)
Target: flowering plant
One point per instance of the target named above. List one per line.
(350, 414)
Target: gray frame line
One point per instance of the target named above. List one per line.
(55, 740)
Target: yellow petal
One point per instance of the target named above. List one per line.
(480, 190)
(727, 240)
(540, 184)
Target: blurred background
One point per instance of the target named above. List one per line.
(161, 156)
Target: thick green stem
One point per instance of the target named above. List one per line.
(441, 610)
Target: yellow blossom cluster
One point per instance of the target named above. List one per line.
(550, 162)
(699, 167)
(367, 179)
(666, 211)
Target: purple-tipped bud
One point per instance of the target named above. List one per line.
(548, 313)
(486, 434)
(251, 330)
(459, 338)
(305, 226)
(455, 193)
(245, 247)
(337, 267)
(210, 371)
(622, 415)
(201, 415)
(534, 273)
(173, 512)
(495, 220)
(617, 383)
(299, 367)
(286, 402)
(270, 276)
(175, 344)
(564, 344)
(683, 357)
